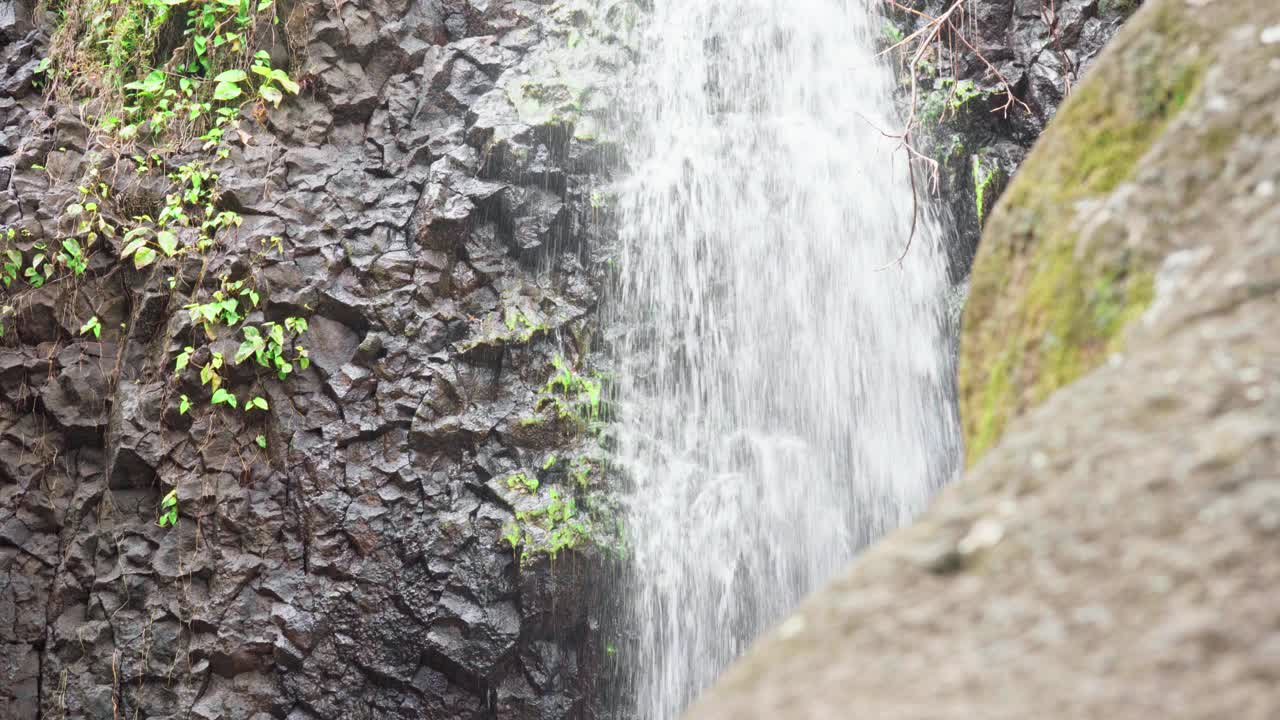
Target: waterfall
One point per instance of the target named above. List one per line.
(784, 398)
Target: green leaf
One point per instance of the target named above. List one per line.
(258, 402)
(143, 257)
(92, 326)
(271, 95)
(231, 76)
(288, 84)
(245, 351)
(184, 404)
(152, 84)
(131, 246)
(221, 396)
(262, 442)
(74, 209)
(167, 241)
(226, 91)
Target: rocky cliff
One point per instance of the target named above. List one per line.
(408, 521)
(1110, 551)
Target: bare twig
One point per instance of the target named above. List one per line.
(1049, 13)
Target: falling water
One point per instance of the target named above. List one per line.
(784, 398)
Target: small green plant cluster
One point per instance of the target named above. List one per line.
(516, 319)
(507, 326)
(561, 528)
(45, 262)
(580, 469)
(892, 33)
(268, 344)
(523, 481)
(947, 98)
(570, 394)
(567, 513)
(169, 509)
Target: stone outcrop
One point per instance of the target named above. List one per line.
(1110, 553)
(435, 189)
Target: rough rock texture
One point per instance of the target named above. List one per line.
(1040, 48)
(1114, 553)
(439, 233)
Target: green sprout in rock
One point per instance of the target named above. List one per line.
(981, 182)
(523, 481)
(93, 325)
(571, 394)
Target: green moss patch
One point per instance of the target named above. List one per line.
(1046, 304)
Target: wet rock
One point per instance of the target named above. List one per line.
(336, 556)
(1038, 49)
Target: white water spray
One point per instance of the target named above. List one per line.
(782, 401)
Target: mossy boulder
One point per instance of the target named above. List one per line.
(1061, 272)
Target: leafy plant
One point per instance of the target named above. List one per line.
(892, 33)
(274, 80)
(12, 262)
(222, 397)
(169, 510)
(571, 394)
(266, 344)
(523, 481)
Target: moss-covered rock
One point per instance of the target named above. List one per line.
(1056, 281)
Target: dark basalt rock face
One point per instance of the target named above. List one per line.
(1041, 49)
(356, 568)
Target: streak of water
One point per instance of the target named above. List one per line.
(782, 402)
